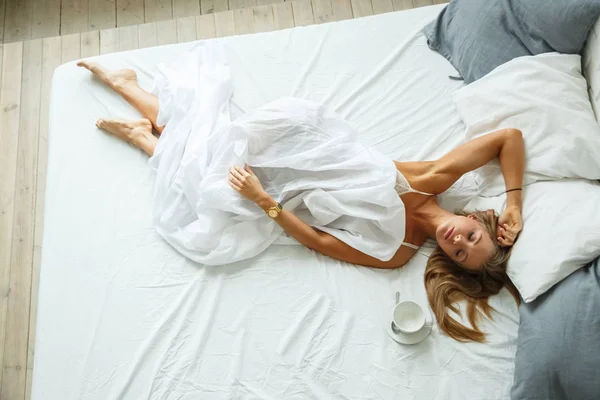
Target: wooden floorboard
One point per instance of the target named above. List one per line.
(361, 8)
(71, 47)
(46, 19)
(302, 11)
(186, 8)
(166, 32)
(400, 5)
(342, 9)
(102, 14)
(51, 58)
(147, 35)
(186, 29)
(243, 20)
(158, 10)
(22, 20)
(128, 38)
(322, 11)
(422, 3)
(213, 6)
(90, 44)
(18, 20)
(130, 12)
(109, 41)
(224, 24)
(382, 6)
(10, 112)
(74, 16)
(21, 263)
(283, 15)
(236, 4)
(263, 18)
(205, 26)
(2, 21)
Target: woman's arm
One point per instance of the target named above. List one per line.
(247, 184)
(506, 144)
(327, 244)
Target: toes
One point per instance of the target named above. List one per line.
(100, 123)
(85, 64)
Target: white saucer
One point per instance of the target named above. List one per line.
(412, 338)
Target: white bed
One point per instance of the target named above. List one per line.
(123, 316)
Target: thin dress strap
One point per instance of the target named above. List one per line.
(410, 245)
(402, 186)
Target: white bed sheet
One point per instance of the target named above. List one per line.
(123, 316)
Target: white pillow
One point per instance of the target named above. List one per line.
(545, 96)
(591, 66)
(561, 232)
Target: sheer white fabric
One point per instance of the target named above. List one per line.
(307, 157)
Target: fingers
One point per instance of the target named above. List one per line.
(242, 171)
(237, 172)
(235, 179)
(507, 235)
(234, 186)
(238, 177)
(234, 183)
(502, 242)
(248, 169)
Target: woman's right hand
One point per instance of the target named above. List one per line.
(510, 224)
(246, 183)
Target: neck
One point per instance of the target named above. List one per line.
(429, 216)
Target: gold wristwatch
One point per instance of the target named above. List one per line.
(274, 212)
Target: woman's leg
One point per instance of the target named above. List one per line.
(138, 133)
(124, 82)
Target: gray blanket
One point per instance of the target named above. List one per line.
(558, 353)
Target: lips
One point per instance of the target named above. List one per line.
(449, 233)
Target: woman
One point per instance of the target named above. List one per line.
(309, 158)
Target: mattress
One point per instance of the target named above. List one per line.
(124, 316)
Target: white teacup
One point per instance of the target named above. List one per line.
(408, 317)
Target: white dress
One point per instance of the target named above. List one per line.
(306, 156)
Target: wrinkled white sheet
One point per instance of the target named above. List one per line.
(306, 156)
(122, 315)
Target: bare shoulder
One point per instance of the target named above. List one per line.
(421, 175)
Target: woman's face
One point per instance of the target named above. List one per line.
(466, 241)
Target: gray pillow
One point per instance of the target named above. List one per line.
(476, 36)
(558, 349)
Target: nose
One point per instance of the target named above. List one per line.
(457, 239)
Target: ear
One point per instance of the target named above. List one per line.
(472, 216)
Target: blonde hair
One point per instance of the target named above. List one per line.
(447, 283)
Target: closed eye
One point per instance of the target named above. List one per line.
(471, 236)
(458, 254)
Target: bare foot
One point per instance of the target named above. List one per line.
(114, 79)
(138, 133)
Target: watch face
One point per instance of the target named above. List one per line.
(273, 213)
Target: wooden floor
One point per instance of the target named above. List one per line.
(26, 73)
(33, 19)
